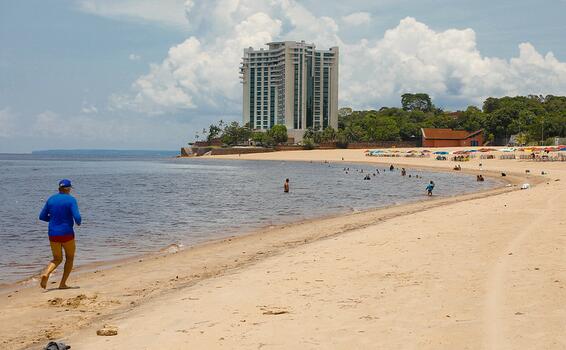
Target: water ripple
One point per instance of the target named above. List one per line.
(131, 206)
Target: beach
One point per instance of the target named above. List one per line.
(476, 271)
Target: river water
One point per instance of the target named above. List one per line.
(136, 205)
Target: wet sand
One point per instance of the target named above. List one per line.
(479, 271)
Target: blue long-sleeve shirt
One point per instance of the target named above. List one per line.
(61, 211)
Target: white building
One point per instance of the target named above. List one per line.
(290, 83)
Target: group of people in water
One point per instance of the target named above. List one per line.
(62, 213)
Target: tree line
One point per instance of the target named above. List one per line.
(533, 119)
(233, 134)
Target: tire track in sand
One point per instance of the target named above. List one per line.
(493, 319)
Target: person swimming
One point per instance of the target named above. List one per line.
(286, 186)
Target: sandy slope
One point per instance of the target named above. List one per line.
(480, 271)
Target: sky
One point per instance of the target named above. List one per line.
(150, 74)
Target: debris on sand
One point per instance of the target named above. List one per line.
(107, 331)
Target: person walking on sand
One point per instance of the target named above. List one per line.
(286, 186)
(61, 211)
(430, 187)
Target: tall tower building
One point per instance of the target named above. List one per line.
(290, 83)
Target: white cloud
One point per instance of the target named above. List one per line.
(197, 74)
(167, 12)
(134, 57)
(81, 128)
(52, 130)
(8, 123)
(448, 65)
(201, 73)
(357, 18)
(88, 109)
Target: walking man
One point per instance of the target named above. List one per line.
(430, 187)
(61, 211)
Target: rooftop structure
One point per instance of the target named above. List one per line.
(450, 138)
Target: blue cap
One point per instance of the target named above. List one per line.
(65, 183)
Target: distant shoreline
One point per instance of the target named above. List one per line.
(103, 152)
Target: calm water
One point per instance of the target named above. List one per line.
(133, 205)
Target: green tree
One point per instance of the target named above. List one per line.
(439, 121)
(341, 139)
(279, 133)
(328, 134)
(213, 132)
(234, 134)
(344, 112)
(267, 139)
(257, 136)
(471, 119)
(500, 122)
(419, 101)
(308, 143)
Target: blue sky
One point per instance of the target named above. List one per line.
(140, 74)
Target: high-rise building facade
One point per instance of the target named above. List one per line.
(290, 83)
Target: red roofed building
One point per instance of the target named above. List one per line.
(451, 138)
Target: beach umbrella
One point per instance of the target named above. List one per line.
(563, 148)
(441, 152)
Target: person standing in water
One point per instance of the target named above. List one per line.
(430, 187)
(61, 211)
(286, 186)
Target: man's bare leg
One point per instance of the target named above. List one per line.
(57, 251)
(69, 248)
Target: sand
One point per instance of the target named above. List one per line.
(480, 271)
